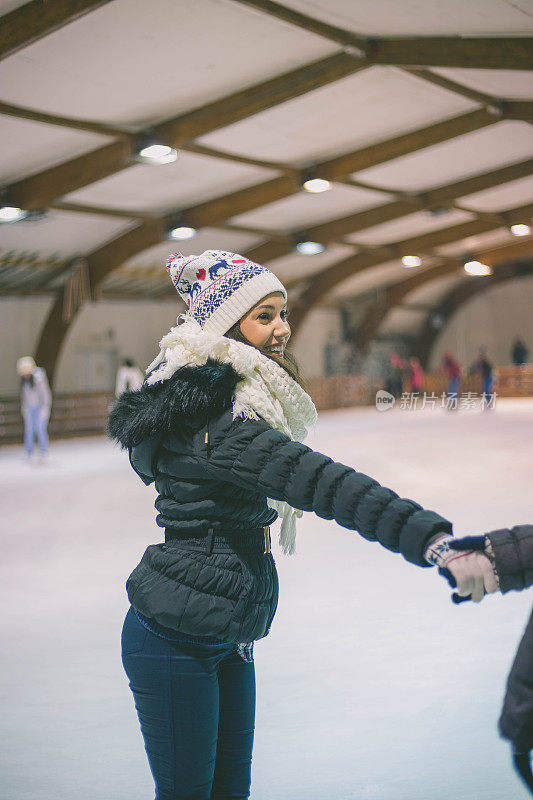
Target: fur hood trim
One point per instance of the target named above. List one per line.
(191, 394)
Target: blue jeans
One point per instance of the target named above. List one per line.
(487, 387)
(196, 707)
(35, 424)
(453, 386)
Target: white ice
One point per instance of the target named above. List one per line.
(371, 683)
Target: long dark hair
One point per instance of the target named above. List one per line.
(287, 361)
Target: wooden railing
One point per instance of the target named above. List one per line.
(339, 391)
(72, 415)
(86, 413)
(515, 381)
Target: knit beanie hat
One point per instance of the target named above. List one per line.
(220, 287)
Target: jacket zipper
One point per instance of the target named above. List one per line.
(206, 439)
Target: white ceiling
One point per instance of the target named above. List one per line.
(479, 242)
(61, 233)
(480, 151)
(373, 104)
(29, 147)
(514, 193)
(514, 84)
(135, 63)
(306, 209)
(189, 180)
(130, 62)
(415, 224)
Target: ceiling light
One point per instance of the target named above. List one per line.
(477, 268)
(12, 214)
(520, 230)
(158, 154)
(316, 185)
(310, 248)
(182, 232)
(411, 261)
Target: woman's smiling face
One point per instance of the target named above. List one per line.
(265, 325)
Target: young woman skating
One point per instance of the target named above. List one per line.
(218, 425)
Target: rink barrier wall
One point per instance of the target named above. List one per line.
(84, 414)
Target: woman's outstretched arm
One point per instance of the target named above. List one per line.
(252, 454)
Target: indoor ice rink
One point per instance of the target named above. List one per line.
(400, 701)
(376, 157)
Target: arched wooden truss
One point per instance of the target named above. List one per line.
(394, 295)
(355, 53)
(422, 345)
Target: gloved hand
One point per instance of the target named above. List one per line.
(465, 564)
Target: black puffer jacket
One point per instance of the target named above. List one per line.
(215, 472)
(513, 556)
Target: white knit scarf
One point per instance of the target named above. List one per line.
(266, 390)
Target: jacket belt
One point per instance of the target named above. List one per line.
(223, 541)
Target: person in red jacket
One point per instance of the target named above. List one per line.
(452, 369)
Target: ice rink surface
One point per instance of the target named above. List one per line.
(371, 683)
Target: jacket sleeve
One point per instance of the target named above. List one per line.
(252, 454)
(513, 556)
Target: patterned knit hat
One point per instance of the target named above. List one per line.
(220, 287)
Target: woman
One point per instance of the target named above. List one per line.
(36, 402)
(218, 425)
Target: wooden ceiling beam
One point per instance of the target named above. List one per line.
(104, 259)
(340, 227)
(103, 211)
(32, 21)
(480, 52)
(393, 295)
(452, 86)
(247, 102)
(214, 212)
(335, 229)
(423, 343)
(231, 205)
(280, 243)
(43, 188)
(406, 143)
(21, 112)
(212, 152)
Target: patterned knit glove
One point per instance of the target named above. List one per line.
(467, 562)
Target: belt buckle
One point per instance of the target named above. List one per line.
(266, 531)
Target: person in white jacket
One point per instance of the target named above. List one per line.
(36, 403)
(129, 377)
